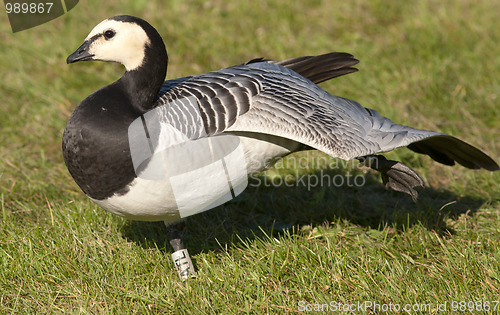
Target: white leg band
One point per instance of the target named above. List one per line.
(183, 264)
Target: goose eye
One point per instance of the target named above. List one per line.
(109, 34)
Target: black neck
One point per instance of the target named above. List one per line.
(143, 84)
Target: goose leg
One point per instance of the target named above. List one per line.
(395, 174)
(180, 256)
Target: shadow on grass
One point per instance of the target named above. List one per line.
(271, 209)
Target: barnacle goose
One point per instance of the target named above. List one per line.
(115, 141)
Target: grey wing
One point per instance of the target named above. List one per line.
(268, 98)
(208, 96)
(293, 107)
(208, 104)
(168, 85)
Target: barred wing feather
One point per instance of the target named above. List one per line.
(268, 98)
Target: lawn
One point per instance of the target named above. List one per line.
(283, 246)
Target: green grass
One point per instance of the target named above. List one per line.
(429, 64)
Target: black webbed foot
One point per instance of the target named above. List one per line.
(395, 175)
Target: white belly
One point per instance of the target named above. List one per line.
(175, 197)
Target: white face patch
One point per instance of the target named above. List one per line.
(126, 46)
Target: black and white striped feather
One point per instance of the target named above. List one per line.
(265, 97)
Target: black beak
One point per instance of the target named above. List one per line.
(81, 54)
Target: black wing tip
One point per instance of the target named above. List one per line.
(493, 166)
(447, 150)
(323, 67)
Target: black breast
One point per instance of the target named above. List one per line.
(95, 143)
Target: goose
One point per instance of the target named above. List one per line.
(154, 150)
